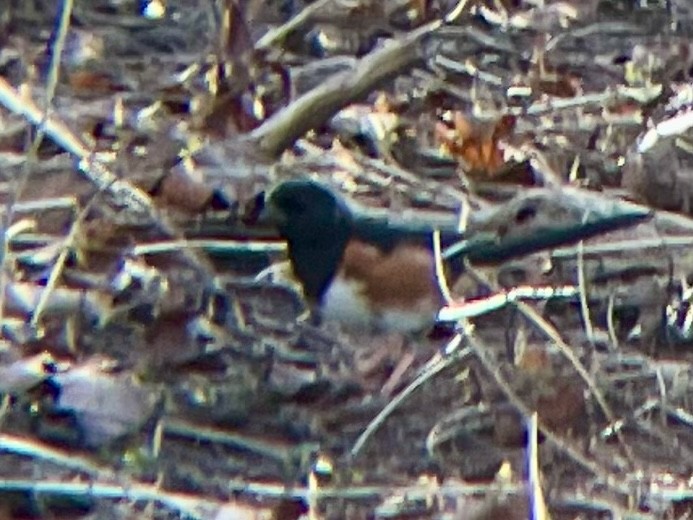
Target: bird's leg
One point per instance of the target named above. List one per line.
(404, 362)
(380, 359)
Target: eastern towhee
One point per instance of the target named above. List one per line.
(370, 274)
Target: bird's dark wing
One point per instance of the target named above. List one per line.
(387, 234)
(542, 219)
(535, 220)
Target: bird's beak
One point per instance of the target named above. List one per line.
(544, 219)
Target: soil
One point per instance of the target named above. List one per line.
(147, 371)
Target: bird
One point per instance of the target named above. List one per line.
(371, 274)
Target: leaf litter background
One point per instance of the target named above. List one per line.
(147, 373)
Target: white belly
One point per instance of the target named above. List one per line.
(344, 303)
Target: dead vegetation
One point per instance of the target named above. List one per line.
(147, 372)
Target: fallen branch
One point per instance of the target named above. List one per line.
(318, 105)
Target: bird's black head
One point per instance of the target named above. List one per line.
(316, 224)
(307, 212)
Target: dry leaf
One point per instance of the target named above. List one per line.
(107, 406)
(476, 144)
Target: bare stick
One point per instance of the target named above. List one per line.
(321, 103)
(98, 173)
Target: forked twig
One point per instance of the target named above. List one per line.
(481, 353)
(551, 333)
(319, 104)
(433, 367)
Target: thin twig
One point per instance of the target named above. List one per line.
(582, 285)
(435, 366)
(481, 352)
(195, 507)
(637, 244)
(124, 193)
(281, 32)
(59, 264)
(51, 86)
(216, 435)
(215, 245)
(610, 325)
(565, 349)
(38, 450)
(56, 55)
(440, 269)
(550, 331)
(536, 495)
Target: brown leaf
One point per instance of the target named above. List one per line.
(179, 189)
(476, 144)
